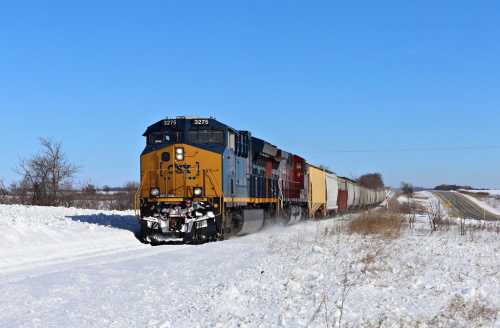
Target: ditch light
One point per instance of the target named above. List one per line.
(179, 154)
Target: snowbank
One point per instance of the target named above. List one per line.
(33, 235)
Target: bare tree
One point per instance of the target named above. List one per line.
(46, 173)
(130, 191)
(371, 181)
(87, 197)
(407, 189)
(3, 192)
(462, 226)
(435, 215)
(89, 189)
(19, 193)
(125, 199)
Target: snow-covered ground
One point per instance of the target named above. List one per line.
(423, 198)
(74, 268)
(492, 192)
(33, 235)
(490, 204)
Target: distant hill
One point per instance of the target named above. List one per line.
(452, 187)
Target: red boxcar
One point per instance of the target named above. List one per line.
(342, 196)
(297, 179)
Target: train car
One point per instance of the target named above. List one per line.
(292, 193)
(349, 189)
(332, 190)
(380, 196)
(316, 178)
(357, 196)
(369, 196)
(350, 193)
(342, 195)
(363, 197)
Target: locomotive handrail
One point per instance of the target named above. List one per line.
(137, 197)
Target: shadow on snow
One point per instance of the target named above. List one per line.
(123, 222)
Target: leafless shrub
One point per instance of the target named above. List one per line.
(3, 192)
(462, 226)
(381, 222)
(87, 197)
(19, 193)
(89, 189)
(473, 311)
(407, 189)
(369, 261)
(335, 319)
(346, 289)
(412, 218)
(125, 199)
(470, 228)
(435, 215)
(45, 173)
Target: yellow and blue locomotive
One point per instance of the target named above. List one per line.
(202, 180)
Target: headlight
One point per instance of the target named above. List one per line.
(179, 154)
(155, 192)
(197, 191)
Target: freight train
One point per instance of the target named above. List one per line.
(202, 180)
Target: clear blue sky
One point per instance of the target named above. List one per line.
(312, 77)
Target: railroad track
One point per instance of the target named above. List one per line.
(463, 207)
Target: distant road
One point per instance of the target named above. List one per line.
(461, 206)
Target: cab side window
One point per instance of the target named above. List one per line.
(231, 141)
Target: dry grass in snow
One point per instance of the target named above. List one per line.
(381, 222)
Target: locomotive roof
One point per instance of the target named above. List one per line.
(181, 123)
(185, 122)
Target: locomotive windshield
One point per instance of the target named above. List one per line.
(162, 138)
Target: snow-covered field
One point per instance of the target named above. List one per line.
(492, 192)
(75, 268)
